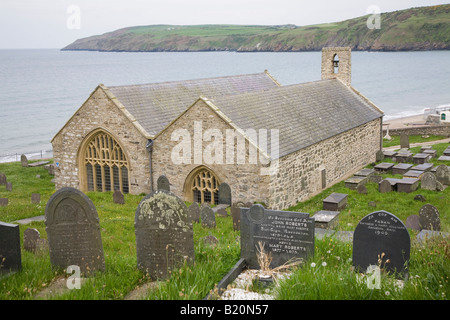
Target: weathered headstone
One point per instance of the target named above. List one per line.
(384, 186)
(428, 181)
(423, 167)
(355, 181)
(164, 234)
(412, 222)
(8, 186)
(163, 183)
(429, 218)
(326, 219)
(221, 212)
(443, 174)
(379, 155)
(224, 193)
(2, 179)
(73, 231)
(10, 256)
(384, 167)
(236, 215)
(35, 198)
(194, 212)
(380, 238)
(401, 168)
(118, 197)
(421, 158)
(404, 141)
(362, 189)
(407, 185)
(208, 217)
(24, 160)
(31, 237)
(335, 202)
(285, 235)
(419, 197)
(3, 202)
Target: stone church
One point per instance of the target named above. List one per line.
(270, 143)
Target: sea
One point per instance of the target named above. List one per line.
(40, 89)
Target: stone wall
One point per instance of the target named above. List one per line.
(299, 176)
(438, 130)
(245, 180)
(99, 112)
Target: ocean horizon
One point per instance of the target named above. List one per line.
(43, 88)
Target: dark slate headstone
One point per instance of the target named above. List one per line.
(404, 141)
(2, 179)
(412, 222)
(286, 235)
(3, 202)
(335, 202)
(421, 158)
(423, 167)
(428, 181)
(118, 197)
(236, 216)
(224, 194)
(8, 186)
(443, 174)
(384, 167)
(35, 198)
(429, 218)
(194, 212)
(24, 160)
(379, 233)
(366, 172)
(73, 231)
(208, 217)
(163, 183)
(10, 256)
(401, 168)
(407, 185)
(164, 234)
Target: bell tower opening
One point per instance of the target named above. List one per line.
(337, 64)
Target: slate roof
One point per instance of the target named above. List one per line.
(155, 105)
(304, 114)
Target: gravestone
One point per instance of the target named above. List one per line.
(221, 212)
(194, 212)
(421, 158)
(326, 219)
(163, 183)
(362, 189)
(384, 167)
(429, 218)
(3, 202)
(24, 160)
(384, 186)
(8, 186)
(224, 194)
(378, 234)
(430, 152)
(164, 234)
(33, 242)
(413, 174)
(401, 168)
(366, 172)
(2, 179)
(428, 181)
(404, 156)
(73, 231)
(10, 256)
(35, 198)
(389, 154)
(404, 141)
(354, 182)
(286, 235)
(335, 202)
(443, 174)
(423, 167)
(118, 197)
(444, 158)
(236, 215)
(407, 185)
(208, 217)
(379, 155)
(412, 222)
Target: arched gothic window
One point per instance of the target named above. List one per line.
(203, 186)
(105, 164)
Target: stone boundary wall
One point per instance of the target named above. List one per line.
(441, 130)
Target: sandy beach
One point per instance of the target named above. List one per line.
(417, 120)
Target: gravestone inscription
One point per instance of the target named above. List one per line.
(164, 234)
(10, 256)
(286, 235)
(380, 238)
(163, 183)
(73, 231)
(429, 218)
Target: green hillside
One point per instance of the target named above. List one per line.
(424, 28)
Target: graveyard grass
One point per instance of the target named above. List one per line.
(326, 276)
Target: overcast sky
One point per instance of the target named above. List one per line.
(57, 23)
